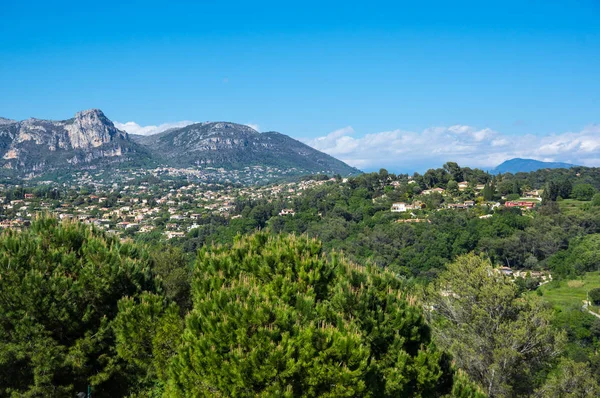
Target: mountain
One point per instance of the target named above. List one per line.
(235, 146)
(90, 139)
(36, 145)
(517, 165)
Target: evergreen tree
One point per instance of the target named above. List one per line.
(272, 316)
(147, 331)
(59, 287)
(488, 192)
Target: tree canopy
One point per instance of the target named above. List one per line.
(500, 338)
(59, 286)
(272, 316)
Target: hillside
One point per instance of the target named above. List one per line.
(235, 146)
(518, 165)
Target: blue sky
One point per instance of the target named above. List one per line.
(348, 78)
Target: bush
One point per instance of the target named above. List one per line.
(594, 295)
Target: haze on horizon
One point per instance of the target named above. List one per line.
(394, 85)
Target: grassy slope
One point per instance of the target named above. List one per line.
(566, 294)
(572, 206)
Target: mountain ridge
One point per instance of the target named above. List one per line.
(234, 145)
(517, 165)
(90, 139)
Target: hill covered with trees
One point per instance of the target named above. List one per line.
(340, 297)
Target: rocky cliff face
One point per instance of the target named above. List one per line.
(91, 129)
(33, 144)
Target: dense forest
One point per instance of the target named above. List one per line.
(340, 299)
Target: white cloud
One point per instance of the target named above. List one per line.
(253, 126)
(134, 128)
(469, 146)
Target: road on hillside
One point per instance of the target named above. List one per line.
(585, 307)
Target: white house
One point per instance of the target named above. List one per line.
(399, 207)
(287, 212)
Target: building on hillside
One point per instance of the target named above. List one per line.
(413, 220)
(434, 190)
(505, 271)
(146, 228)
(398, 207)
(521, 203)
(463, 185)
(536, 194)
(174, 234)
(287, 212)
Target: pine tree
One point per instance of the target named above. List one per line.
(272, 316)
(59, 287)
(147, 332)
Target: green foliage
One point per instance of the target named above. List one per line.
(583, 192)
(498, 337)
(59, 286)
(172, 266)
(594, 296)
(488, 192)
(513, 196)
(583, 255)
(452, 187)
(147, 332)
(463, 387)
(273, 317)
(570, 380)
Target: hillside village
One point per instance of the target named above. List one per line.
(135, 206)
(170, 201)
(453, 201)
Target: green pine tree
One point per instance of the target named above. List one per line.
(272, 316)
(59, 287)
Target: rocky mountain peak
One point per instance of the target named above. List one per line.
(93, 117)
(91, 128)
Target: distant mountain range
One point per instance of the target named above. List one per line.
(518, 165)
(90, 139)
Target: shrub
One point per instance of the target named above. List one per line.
(594, 295)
